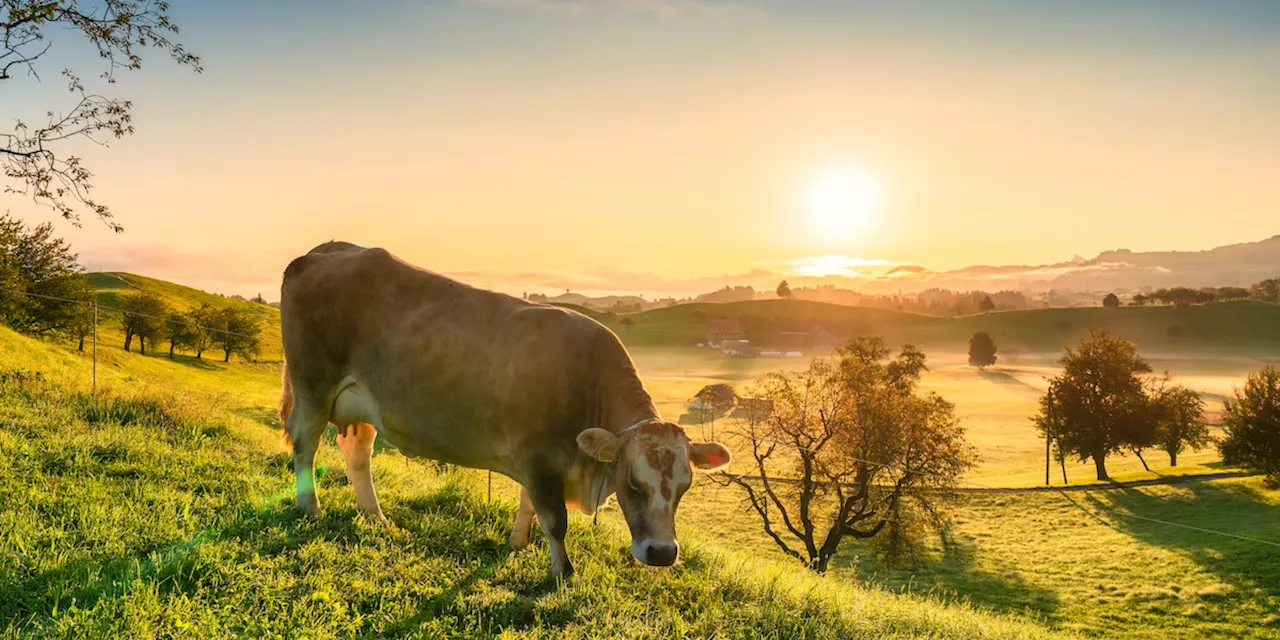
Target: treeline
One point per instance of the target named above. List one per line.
(1267, 291)
(148, 318)
(45, 292)
(1106, 401)
(937, 302)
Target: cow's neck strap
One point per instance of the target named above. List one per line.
(604, 477)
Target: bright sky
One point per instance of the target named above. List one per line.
(538, 142)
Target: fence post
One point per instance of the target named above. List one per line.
(95, 347)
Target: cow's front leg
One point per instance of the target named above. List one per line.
(547, 495)
(524, 522)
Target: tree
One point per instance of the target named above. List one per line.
(236, 331)
(178, 330)
(38, 157)
(1252, 421)
(982, 350)
(1179, 416)
(784, 289)
(986, 305)
(1267, 290)
(1140, 300)
(1097, 405)
(200, 320)
(628, 322)
(851, 450)
(142, 315)
(1111, 301)
(38, 277)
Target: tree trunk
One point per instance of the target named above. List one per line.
(199, 353)
(128, 339)
(1173, 458)
(1100, 462)
(1141, 459)
(227, 358)
(1063, 463)
(142, 345)
(171, 346)
(81, 347)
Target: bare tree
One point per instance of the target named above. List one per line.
(36, 156)
(850, 450)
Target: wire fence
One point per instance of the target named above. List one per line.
(95, 305)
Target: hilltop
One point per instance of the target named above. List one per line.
(1244, 326)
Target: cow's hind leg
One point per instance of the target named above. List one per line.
(524, 522)
(356, 443)
(305, 426)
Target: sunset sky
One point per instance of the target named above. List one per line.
(532, 144)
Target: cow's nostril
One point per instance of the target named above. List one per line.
(662, 555)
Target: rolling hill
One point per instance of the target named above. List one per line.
(1247, 327)
(162, 507)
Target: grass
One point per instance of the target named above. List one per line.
(151, 515)
(162, 508)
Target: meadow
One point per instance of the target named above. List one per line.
(162, 507)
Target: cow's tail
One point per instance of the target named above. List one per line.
(286, 403)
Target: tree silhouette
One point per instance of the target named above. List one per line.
(986, 305)
(784, 289)
(1252, 422)
(982, 350)
(1111, 301)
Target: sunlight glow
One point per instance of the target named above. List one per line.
(841, 202)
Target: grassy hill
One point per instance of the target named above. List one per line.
(110, 287)
(162, 507)
(1242, 326)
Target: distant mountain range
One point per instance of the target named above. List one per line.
(1118, 270)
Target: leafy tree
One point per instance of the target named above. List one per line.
(628, 322)
(1097, 405)
(850, 449)
(1267, 290)
(982, 350)
(142, 315)
(986, 305)
(1141, 300)
(38, 275)
(38, 157)
(1252, 421)
(1111, 301)
(1179, 416)
(179, 332)
(1232, 293)
(236, 331)
(200, 320)
(784, 289)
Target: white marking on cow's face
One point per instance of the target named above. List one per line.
(653, 473)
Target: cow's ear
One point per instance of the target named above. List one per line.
(709, 455)
(599, 444)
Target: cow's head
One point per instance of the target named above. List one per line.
(653, 470)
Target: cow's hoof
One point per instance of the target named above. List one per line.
(309, 507)
(518, 541)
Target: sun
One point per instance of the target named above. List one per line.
(840, 202)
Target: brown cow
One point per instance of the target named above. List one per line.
(543, 395)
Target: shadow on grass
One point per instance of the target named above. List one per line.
(448, 526)
(1010, 383)
(955, 574)
(1229, 507)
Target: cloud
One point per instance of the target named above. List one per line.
(662, 8)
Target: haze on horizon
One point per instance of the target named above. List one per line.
(529, 144)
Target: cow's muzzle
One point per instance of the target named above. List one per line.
(656, 553)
